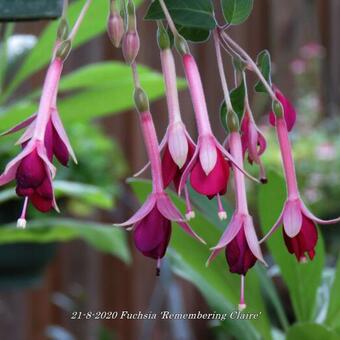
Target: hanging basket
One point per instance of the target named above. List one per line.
(26, 10)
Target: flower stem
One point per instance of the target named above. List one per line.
(79, 20)
(250, 63)
(221, 72)
(168, 18)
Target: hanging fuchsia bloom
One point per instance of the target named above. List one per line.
(152, 222)
(239, 240)
(299, 230)
(209, 167)
(177, 145)
(44, 137)
(253, 142)
(289, 110)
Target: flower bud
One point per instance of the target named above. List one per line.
(115, 28)
(63, 30)
(232, 122)
(64, 50)
(181, 45)
(130, 46)
(141, 100)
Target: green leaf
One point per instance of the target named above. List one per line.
(92, 25)
(193, 34)
(189, 13)
(237, 96)
(302, 280)
(217, 284)
(237, 11)
(223, 115)
(333, 313)
(263, 61)
(310, 331)
(103, 237)
(89, 194)
(99, 89)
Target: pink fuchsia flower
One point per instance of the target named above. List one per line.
(239, 240)
(151, 224)
(253, 142)
(176, 145)
(289, 110)
(209, 167)
(299, 230)
(44, 136)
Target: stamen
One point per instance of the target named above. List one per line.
(303, 259)
(221, 212)
(158, 268)
(263, 176)
(242, 306)
(190, 214)
(21, 222)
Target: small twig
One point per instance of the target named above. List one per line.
(250, 62)
(168, 18)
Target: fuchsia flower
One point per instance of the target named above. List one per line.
(209, 167)
(239, 240)
(177, 145)
(44, 137)
(299, 229)
(253, 142)
(152, 222)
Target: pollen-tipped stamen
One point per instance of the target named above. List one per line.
(189, 214)
(242, 306)
(21, 222)
(222, 215)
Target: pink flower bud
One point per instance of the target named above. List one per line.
(130, 46)
(115, 28)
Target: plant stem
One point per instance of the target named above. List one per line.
(221, 71)
(79, 20)
(168, 18)
(250, 62)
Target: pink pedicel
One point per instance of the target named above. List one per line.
(239, 240)
(151, 224)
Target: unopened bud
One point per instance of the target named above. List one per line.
(63, 30)
(64, 50)
(141, 100)
(163, 38)
(181, 45)
(232, 122)
(115, 28)
(130, 46)
(277, 109)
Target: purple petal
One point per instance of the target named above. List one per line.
(252, 239)
(19, 126)
(141, 212)
(59, 128)
(43, 155)
(292, 218)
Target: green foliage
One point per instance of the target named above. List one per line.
(237, 96)
(263, 61)
(103, 237)
(194, 19)
(310, 331)
(237, 11)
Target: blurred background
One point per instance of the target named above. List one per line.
(43, 279)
